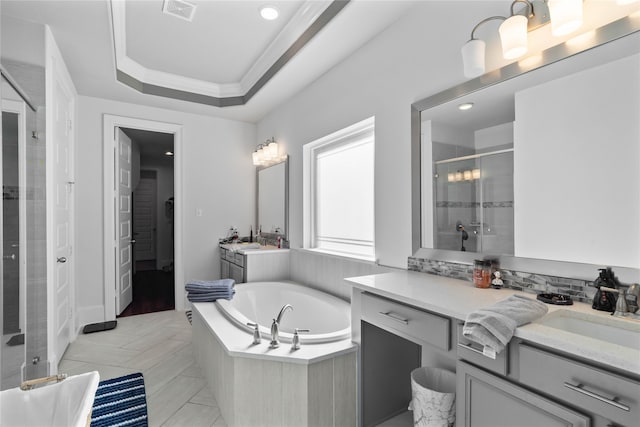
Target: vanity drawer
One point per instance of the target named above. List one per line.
(424, 326)
(230, 256)
(596, 390)
(238, 259)
(472, 352)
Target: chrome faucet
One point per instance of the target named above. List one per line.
(295, 344)
(275, 326)
(622, 308)
(256, 333)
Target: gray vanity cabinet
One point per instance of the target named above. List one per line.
(264, 264)
(612, 399)
(487, 400)
(232, 265)
(532, 384)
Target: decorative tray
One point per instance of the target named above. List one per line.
(557, 299)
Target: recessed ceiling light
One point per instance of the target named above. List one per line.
(465, 106)
(269, 12)
(169, 153)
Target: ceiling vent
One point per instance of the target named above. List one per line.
(180, 9)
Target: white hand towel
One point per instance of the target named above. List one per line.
(494, 326)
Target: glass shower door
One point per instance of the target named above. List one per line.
(474, 203)
(13, 280)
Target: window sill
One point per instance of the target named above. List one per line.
(336, 254)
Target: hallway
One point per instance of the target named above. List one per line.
(153, 290)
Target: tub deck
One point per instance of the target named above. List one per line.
(255, 385)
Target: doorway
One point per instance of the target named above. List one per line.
(119, 250)
(152, 188)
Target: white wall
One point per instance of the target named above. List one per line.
(407, 62)
(218, 179)
(488, 139)
(551, 149)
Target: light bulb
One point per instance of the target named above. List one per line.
(269, 13)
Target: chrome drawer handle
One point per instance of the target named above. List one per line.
(470, 348)
(396, 318)
(580, 389)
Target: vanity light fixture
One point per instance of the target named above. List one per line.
(467, 175)
(565, 17)
(267, 153)
(269, 12)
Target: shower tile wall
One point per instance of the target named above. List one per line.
(459, 204)
(497, 204)
(32, 80)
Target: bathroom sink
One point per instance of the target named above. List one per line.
(610, 329)
(67, 403)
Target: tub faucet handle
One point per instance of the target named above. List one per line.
(275, 332)
(256, 333)
(295, 344)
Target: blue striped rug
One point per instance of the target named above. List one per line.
(120, 402)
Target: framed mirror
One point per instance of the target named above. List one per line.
(568, 126)
(273, 199)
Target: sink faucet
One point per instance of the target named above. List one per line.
(622, 308)
(275, 326)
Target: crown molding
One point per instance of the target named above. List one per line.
(310, 18)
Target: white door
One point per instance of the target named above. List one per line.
(144, 213)
(63, 187)
(124, 290)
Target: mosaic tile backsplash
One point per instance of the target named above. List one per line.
(535, 283)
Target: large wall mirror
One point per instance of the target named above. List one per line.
(544, 166)
(273, 198)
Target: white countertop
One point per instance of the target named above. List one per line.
(457, 298)
(243, 248)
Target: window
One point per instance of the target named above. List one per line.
(339, 192)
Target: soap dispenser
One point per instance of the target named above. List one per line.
(603, 300)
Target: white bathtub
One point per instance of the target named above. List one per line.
(239, 371)
(327, 317)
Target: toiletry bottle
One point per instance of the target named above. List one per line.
(250, 234)
(482, 273)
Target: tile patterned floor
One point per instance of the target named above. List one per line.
(159, 346)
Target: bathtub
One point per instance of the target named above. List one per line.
(313, 385)
(327, 317)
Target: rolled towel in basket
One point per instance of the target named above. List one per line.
(494, 326)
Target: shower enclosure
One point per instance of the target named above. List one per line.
(474, 203)
(23, 223)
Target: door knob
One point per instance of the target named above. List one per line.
(11, 257)
(132, 241)
(62, 260)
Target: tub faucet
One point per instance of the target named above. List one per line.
(275, 326)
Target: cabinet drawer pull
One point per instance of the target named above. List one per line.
(580, 389)
(470, 348)
(396, 318)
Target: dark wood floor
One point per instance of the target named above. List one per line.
(153, 290)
